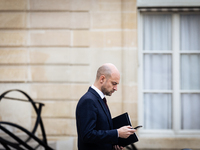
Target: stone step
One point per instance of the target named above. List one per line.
(33, 144)
(67, 144)
(23, 137)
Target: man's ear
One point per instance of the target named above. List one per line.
(102, 79)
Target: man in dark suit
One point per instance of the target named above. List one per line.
(93, 119)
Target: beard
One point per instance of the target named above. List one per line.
(105, 91)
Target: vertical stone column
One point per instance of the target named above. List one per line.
(129, 58)
(59, 63)
(13, 61)
(106, 43)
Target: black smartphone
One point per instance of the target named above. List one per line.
(137, 127)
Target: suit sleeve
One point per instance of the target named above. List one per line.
(87, 114)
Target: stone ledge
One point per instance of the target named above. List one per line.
(13, 4)
(167, 143)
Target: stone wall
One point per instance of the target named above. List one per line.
(51, 49)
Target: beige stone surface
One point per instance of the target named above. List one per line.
(110, 2)
(13, 73)
(102, 39)
(75, 5)
(113, 39)
(58, 109)
(59, 138)
(129, 5)
(80, 56)
(105, 20)
(132, 109)
(60, 142)
(51, 49)
(168, 143)
(75, 143)
(134, 123)
(13, 20)
(13, 56)
(101, 56)
(50, 4)
(74, 20)
(128, 21)
(59, 55)
(115, 108)
(106, 6)
(58, 91)
(80, 5)
(50, 38)
(16, 112)
(60, 73)
(129, 38)
(81, 38)
(130, 93)
(13, 4)
(97, 39)
(21, 86)
(50, 19)
(13, 38)
(130, 67)
(59, 126)
(79, 20)
(65, 144)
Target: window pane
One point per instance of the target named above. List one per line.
(157, 32)
(190, 111)
(157, 71)
(157, 111)
(190, 72)
(190, 32)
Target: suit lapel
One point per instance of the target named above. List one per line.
(106, 111)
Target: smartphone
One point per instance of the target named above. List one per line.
(137, 127)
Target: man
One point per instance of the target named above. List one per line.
(93, 119)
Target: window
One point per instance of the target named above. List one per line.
(169, 45)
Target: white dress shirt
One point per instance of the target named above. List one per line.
(98, 91)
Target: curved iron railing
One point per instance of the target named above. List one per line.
(20, 144)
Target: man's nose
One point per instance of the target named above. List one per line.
(115, 87)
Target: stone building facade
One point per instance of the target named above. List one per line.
(51, 49)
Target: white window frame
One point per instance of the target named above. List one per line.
(168, 3)
(176, 130)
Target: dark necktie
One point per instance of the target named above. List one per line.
(105, 101)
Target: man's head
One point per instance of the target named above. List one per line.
(107, 79)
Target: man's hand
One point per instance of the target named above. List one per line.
(125, 131)
(117, 147)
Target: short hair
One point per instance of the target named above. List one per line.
(104, 70)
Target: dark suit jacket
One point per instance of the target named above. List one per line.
(94, 123)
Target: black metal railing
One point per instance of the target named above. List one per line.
(16, 142)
